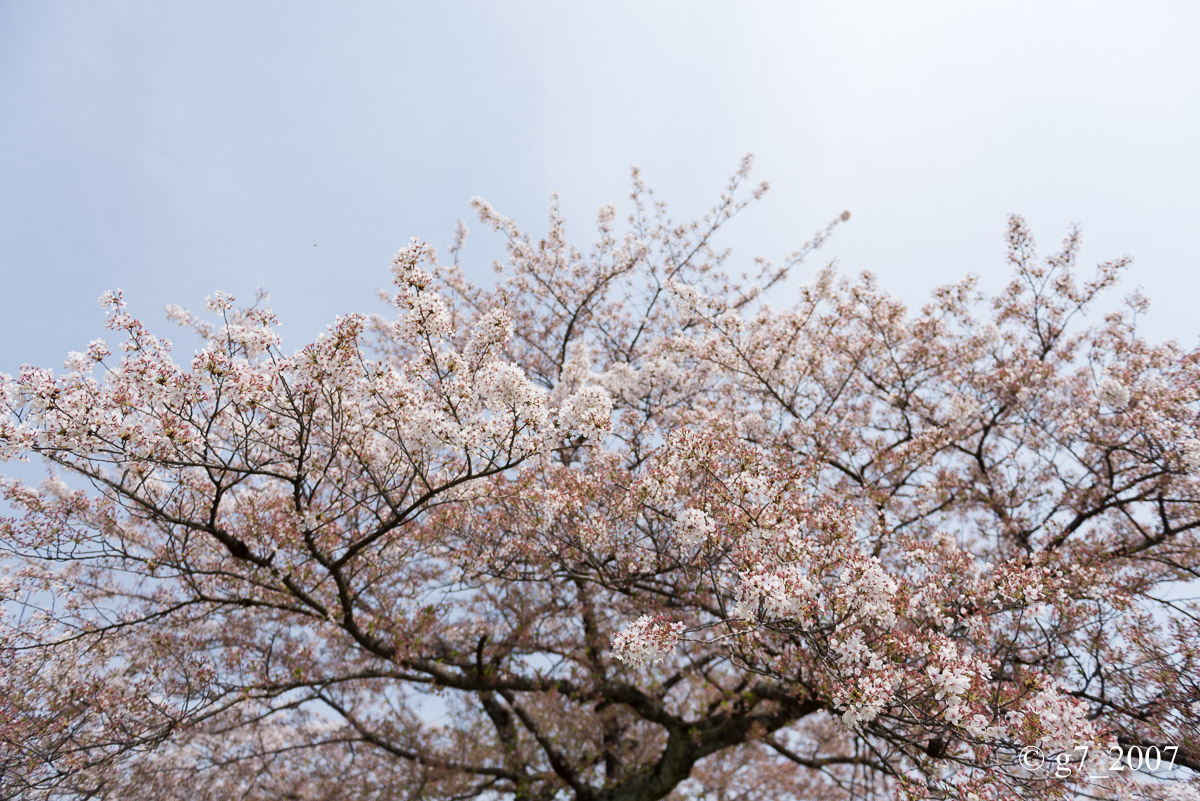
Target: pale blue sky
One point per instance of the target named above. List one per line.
(176, 148)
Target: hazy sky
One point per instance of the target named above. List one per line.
(176, 148)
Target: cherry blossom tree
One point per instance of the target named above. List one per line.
(613, 528)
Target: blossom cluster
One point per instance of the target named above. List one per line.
(693, 527)
(650, 638)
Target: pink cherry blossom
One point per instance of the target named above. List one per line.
(638, 521)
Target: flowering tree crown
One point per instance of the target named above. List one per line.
(614, 528)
